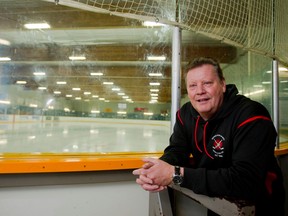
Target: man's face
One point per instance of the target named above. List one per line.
(205, 90)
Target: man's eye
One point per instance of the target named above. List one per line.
(208, 83)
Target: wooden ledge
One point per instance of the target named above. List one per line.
(43, 163)
(283, 150)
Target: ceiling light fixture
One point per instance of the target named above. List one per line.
(96, 74)
(121, 112)
(4, 102)
(61, 82)
(77, 58)
(95, 111)
(37, 26)
(33, 105)
(21, 82)
(154, 83)
(266, 82)
(5, 59)
(257, 86)
(283, 69)
(108, 83)
(155, 74)
(156, 58)
(39, 73)
(154, 90)
(153, 101)
(148, 113)
(152, 24)
(5, 42)
(255, 92)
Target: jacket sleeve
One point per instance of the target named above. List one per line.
(177, 153)
(244, 178)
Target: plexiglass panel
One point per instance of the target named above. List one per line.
(75, 81)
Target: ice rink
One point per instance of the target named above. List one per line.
(84, 136)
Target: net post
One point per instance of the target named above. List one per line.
(176, 74)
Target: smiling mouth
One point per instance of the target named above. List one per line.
(202, 100)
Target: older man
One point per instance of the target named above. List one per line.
(231, 139)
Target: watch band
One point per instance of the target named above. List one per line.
(177, 170)
(177, 177)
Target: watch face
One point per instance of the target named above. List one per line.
(177, 179)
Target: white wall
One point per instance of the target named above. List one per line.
(99, 199)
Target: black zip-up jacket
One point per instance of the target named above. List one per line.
(232, 153)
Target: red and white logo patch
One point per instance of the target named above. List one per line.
(218, 145)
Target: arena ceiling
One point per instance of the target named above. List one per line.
(116, 47)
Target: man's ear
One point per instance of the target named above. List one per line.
(224, 86)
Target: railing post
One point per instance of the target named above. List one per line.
(159, 204)
(221, 206)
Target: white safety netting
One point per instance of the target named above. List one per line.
(256, 25)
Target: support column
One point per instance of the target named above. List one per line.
(275, 98)
(176, 74)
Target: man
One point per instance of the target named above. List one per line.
(231, 139)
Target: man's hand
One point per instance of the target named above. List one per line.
(155, 175)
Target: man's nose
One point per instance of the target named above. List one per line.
(200, 89)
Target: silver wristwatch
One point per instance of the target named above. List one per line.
(177, 177)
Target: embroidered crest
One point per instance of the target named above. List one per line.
(218, 145)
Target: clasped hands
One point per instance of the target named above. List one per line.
(155, 175)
